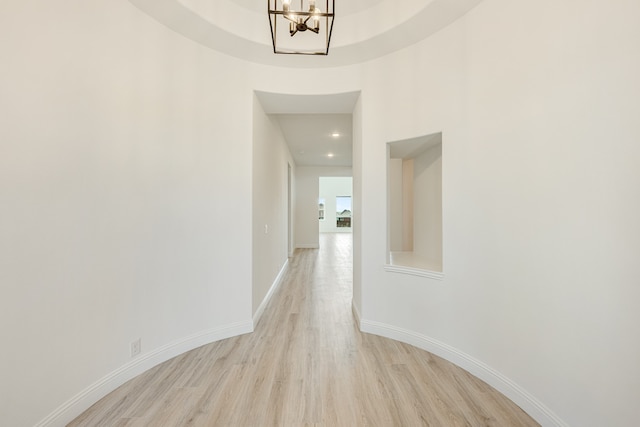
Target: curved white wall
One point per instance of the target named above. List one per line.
(538, 105)
(122, 146)
(120, 139)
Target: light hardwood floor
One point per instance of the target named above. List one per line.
(307, 364)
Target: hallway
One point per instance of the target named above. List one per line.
(307, 364)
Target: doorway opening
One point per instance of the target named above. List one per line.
(322, 139)
(335, 204)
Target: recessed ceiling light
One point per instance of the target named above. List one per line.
(336, 134)
(330, 155)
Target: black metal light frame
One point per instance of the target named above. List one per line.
(298, 22)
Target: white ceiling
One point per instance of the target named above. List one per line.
(363, 30)
(346, 8)
(307, 122)
(336, 103)
(411, 148)
(310, 139)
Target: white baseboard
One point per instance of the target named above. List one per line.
(274, 287)
(83, 400)
(308, 246)
(532, 406)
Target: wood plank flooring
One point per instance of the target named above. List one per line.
(307, 364)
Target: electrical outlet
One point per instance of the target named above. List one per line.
(136, 347)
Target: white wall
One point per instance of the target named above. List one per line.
(126, 200)
(357, 209)
(307, 193)
(427, 205)
(271, 159)
(329, 189)
(408, 205)
(400, 199)
(395, 208)
(538, 107)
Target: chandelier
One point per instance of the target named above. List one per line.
(310, 25)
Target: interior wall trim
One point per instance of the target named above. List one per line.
(276, 284)
(75, 406)
(414, 271)
(532, 406)
(307, 246)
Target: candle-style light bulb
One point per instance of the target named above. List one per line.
(285, 5)
(316, 18)
(312, 5)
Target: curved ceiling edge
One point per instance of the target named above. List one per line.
(354, 28)
(435, 16)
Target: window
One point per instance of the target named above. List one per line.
(343, 211)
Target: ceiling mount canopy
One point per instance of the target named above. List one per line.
(287, 20)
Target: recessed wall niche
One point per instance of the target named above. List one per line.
(414, 206)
